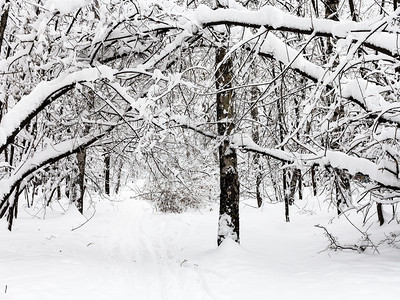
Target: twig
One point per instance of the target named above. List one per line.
(84, 222)
(335, 244)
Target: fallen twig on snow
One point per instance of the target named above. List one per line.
(335, 244)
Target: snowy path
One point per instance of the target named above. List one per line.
(133, 253)
(129, 255)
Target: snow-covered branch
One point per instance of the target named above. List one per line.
(275, 19)
(362, 92)
(41, 96)
(51, 154)
(325, 159)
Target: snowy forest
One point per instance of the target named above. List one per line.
(170, 126)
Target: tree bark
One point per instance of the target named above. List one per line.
(296, 178)
(353, 10)
(255, 93)
(107, 166)
(118, 184)
(331, 7)
(343, 192)
(342, 182)
(281, 122)
(81, 157)
(3, 21)
(380, 213)
(313, 181)
(13, 209)
(315, 7)
(228, 225)
(286, 196)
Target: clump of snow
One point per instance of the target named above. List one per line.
(225, 227)
(65, 6)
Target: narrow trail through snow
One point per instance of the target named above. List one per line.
(129, 253)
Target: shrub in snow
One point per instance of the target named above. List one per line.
(169, 198)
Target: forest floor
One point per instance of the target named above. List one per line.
(128, 251)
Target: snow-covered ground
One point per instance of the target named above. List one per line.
(127, 251)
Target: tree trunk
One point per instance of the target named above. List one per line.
(81, 157)
(107, 163)
(3, 21)
(353, 10)
(255, 93)
(286, 196)
(281, 122)
(118, 184)
(296, 178)
(228, 225)
(72, 189)
(380, 213)
(342, 182)
(13, 208)
(300, 186)
(313, 181)
(343, 192)
(315, 7)
(331, 7)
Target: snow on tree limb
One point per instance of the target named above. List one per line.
(329, 158)
(364, 93)
(42, 95)
(276, 48)
(51, 154)
(275, 19)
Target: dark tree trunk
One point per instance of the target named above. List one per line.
(294, 182)
(300, 186)
(315, 7)
(13, 208)
(331, 7)
(313, 181)
(33, 192)
(353, 12)
(107, 166)
(228, 225)
(3, 21)
(118, 184)
(18, 192)
(342, 186)
(81, 157)
(286, 196)
(11, 159)
(258, 191)
(281, 125)
(380, 213)
(67, 186)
